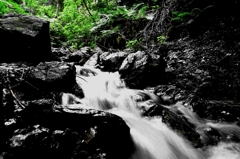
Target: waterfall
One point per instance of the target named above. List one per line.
(152, 138)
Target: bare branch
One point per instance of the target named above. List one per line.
(11, 91)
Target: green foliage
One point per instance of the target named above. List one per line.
(106, 33)
(78, 23)
(102, 5)
(131, 13)
(181, 16)
(113, 14)
(9, 6)
(132, 44)
(155, 7)
(39, 8)
(74, 24)
(141, 13)
(162, 39)
(82, 29)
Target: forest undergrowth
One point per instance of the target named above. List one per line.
(108, 24)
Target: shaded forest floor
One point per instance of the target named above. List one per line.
(203, 63)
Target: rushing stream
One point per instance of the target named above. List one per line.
(152, 138)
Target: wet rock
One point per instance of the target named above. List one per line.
(40, 103)
(102, 57)
(60, 53)
(135, 69)
(86, 50)
(211, 136)
(221, 110)
(79, 57)
(1, 115)
(113, 61)
(155, 110)
(53, 76)
(177, 122)
(146, 106)
(181, 125)
(8, 106)
(24, 38)
(93, 60)
(174, 119)
(43, 131)
(107, 61)
(42, 81)
(1, 103)
(169, 93)
(141, 69)
(74, 57)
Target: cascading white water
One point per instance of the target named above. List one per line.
(226, 130)
(152, 138)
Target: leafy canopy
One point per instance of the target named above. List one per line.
(76, 23)
(9, 6)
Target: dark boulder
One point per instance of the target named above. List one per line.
(24, 38)
(41, 81)
(135, 69)
(170, 93)
(1, 105)
(177, 122)
(43, 131)
(93, 60)
(53, 76)
(181, 125)
(107, 61)
(79, 57)
(141, 69)
(61, 52)
(217, 110)
(113, 61)
(146, 107)
(155, 110)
